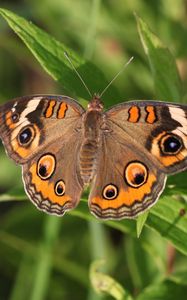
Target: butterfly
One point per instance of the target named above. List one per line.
(124, 153)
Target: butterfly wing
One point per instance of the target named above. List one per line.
(42, 133)
(159, 127)
(143, 142)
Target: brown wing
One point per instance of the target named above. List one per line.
(143, 142)
(42, 133)
(160, 128)
(52, 178)
(29, 124)
(127, 181)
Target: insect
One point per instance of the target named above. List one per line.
(124, 153)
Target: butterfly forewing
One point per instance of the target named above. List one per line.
(42, 133)
(158, 128)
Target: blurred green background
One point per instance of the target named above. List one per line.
(44, 257)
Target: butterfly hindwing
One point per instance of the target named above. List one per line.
(144, 142)
(52, 179)
(127, 181)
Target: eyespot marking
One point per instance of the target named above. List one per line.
(170, 144)
(168, 159)
(46, 166)
(62, 110)
(15, 117)
(9, 120)
(110, 192)
(26, 135)
(136, 174)
(60, 188)
(151, 114)
(134, 114)
(44, 192)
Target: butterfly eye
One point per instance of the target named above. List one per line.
(46, 166)
(26, 135)
(60, 188)
(171, 144)
(15, 117)
(136, 174)
(110, 192)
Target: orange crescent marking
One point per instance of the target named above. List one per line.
(134, 114)
(155, 150)
(151, 115)
(170, 160)
(49, 111)
(62, 110)
(46, 188)
(22, 152)
(127, 197)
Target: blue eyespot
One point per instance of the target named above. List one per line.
(171, 144)
(26, 135)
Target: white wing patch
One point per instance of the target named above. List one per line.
(178, 114)
(31, 106)
(23, 120)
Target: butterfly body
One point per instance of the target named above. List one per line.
(92, 120)
(123, 153)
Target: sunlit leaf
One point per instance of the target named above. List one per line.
(165, 74)
(140, 222)
(165, 290)
(50, 54)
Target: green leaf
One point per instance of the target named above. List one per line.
(140, 222)
(179, 277)
(166, 77)
(166, 290)
(103, 283)
(50, 54)
(146, 258)
(169, 218)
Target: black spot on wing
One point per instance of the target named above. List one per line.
(167, 124)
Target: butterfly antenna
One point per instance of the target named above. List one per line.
(122, 69)
(73, 67)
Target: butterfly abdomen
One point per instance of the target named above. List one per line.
(87, 160)
(89, 148)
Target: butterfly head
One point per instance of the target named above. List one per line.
(95, 103)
